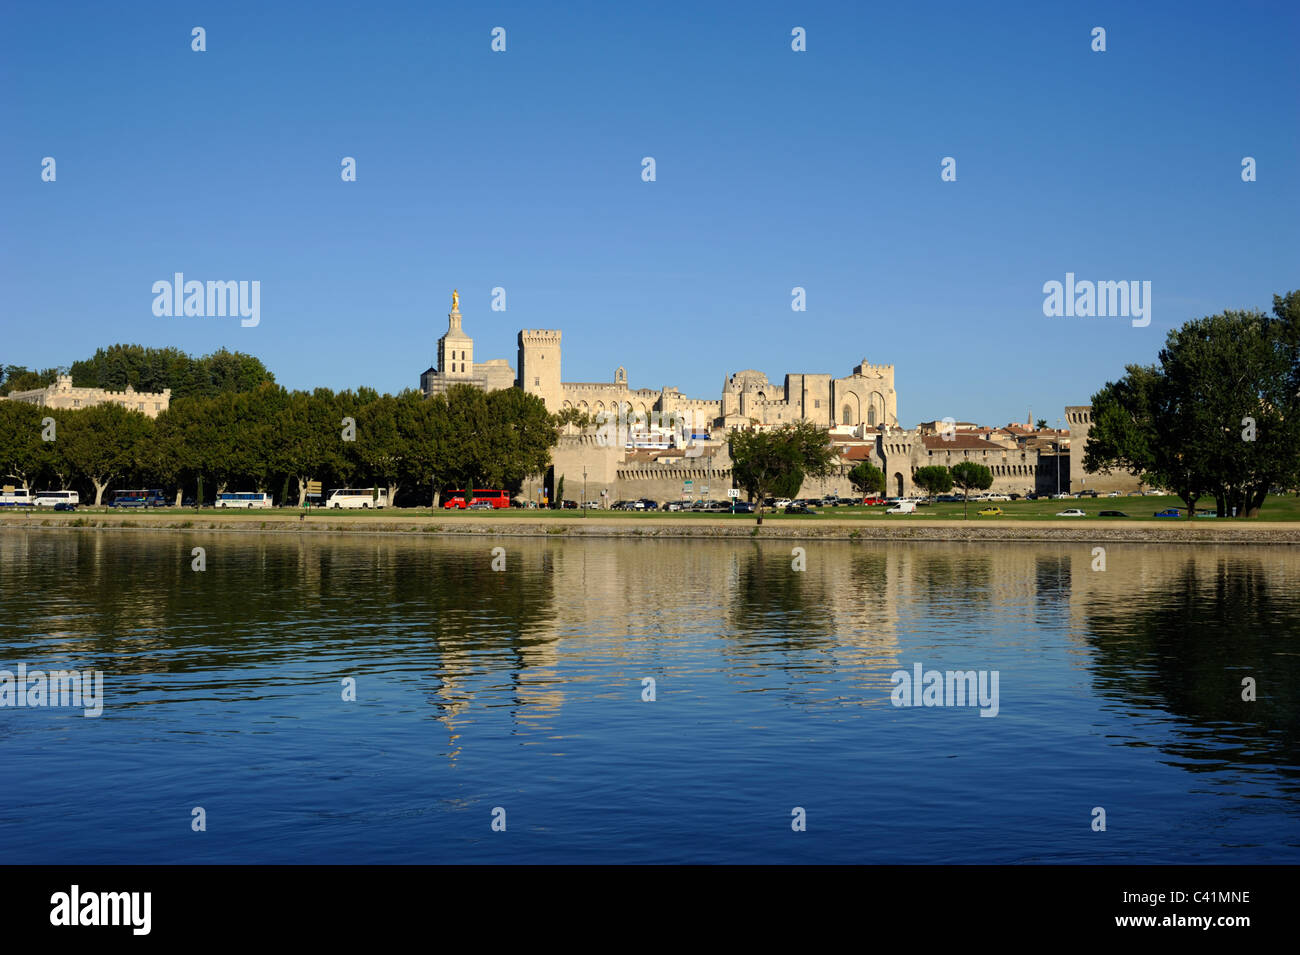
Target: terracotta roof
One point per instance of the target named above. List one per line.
(859, 452)
(960, 442)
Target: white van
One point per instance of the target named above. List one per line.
(902, 507)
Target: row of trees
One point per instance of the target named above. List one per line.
(1218, 415)
(274, 441)
(149, 369)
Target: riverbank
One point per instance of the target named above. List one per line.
(903, 527)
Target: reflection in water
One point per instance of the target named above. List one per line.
(1186, 649)
(476, 686)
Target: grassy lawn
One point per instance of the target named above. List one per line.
(1277, 508)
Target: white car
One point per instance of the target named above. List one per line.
(902, 507)
(1113, 494)
(999, 497)
(1071, 512)
(782, 503)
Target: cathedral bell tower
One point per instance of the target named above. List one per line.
(455, 348)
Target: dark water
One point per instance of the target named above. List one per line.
(522, 689)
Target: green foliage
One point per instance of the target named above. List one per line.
(970, 476)
(104, 443)
(866, 478)
(19, 378)
(1219, 414)
(574, 416)
(934, 478)
(154, 369)
(20, 440)
(776, 462)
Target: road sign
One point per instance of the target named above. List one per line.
(733, 492)
(688, 482)
(313, 488)
(705, 489)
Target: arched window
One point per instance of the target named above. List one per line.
(846, 415)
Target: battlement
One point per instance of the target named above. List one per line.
(874, 371)
(539, 336)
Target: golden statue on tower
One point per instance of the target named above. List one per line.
(455, 300)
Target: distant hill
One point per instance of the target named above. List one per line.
(148, 369)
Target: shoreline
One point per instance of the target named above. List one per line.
(1174, 532)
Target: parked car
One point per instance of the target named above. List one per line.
(1112, 514)
(480, 506)
(990, 512)
(998, 497)
(65, 506)
(902, 507)
(1062, 496)
(1071, 512)
(566, 505)
(648, 505)
(873, 501)
(948, 499)
(742, 507)
(675, 506)
(800, 509)
(1113, 494)
(1207, 514)
(1169, 512)
(783, 502)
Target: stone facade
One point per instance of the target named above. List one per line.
(456, 363)
(860, 409)
(1079, 418)
(63, 395)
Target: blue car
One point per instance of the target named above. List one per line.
(1168, 512)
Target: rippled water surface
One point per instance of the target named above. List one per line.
(522, 689)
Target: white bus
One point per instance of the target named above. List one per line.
(243, 499)
(357, 497)
(15, 497)
(50, 498)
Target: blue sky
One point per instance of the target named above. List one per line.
(775, 169)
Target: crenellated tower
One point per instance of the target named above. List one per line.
(539, 365)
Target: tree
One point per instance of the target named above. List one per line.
(103, 443)
(559, 494)
(573, 416)
(934, 478)
(466, 449)
(19, 378)
(420, 422)
(1219, 415)
(307, 440)
(21, 453)
(970, 475)
(1041, 424)
(154, 369)
(379, 448)
(522, 436)
(866, 478)
(778, 460)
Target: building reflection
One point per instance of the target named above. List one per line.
(1160, 628)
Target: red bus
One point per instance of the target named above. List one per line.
(457, 499)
